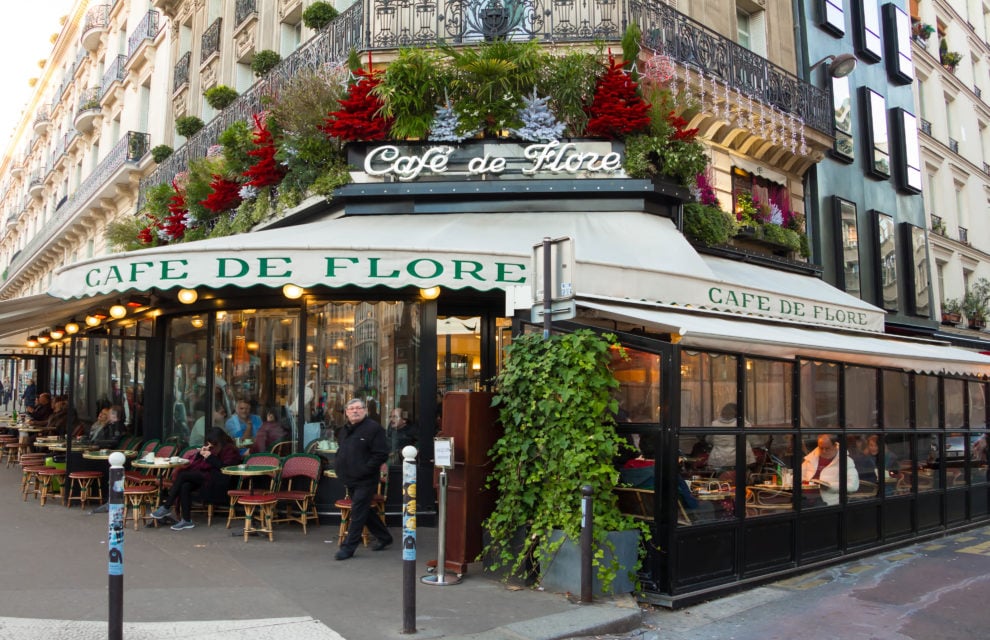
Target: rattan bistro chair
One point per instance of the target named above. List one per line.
(296, 490)
(253, 485)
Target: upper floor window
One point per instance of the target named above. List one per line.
(751, 27)
(869, 45)
(897, 26)
(886, 253)
(848, 247)
(878, 142)
(842, 105)
(909, 155)
(833, 15)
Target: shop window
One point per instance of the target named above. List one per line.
(868, 464)
(771, 200)
(908, 164)
(459, 353)
(770, 480)
(833, 16)
(896, 400)
(897, 28)
(639, 386)
(768, 394)
(898, 456)
(877, 137)
(931, 459)
(869, 45)
(926, 396)
(819, 395)
(826, 469)
(844, 147)
(708, 383)
(886, 261)
(190, 407)
(860, 397)
(917, 276)
(977, 405)
(979, 444)
(847, 230)
(955, 403)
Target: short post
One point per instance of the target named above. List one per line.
(115, 547)
(409, 539)
(587, 538)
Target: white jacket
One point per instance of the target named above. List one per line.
(830, 476)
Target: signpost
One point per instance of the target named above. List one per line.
(553, 287)
(443, 459)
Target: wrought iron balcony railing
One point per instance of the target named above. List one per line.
(42, 114)
(386, 24)
(180, 74)
(243, 10)
(953, 145)
(115, 73)
(96, 17)
(89, 99)
(964, 235)
(926, 127)
(210, 42)
(147, 29)
(937, 225)
(129, 149)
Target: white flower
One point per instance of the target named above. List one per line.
(214, 151)
(248, 192)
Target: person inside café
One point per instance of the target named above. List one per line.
(270, 432)
(198, 434)
(58, 421)
(821, 467)
(243, 424)
(115, 425)
(42, 411)
(722, 456)
(203, 476)
(98, 430)
(30, 396)
(400, 433)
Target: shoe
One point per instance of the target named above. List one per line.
(160, 512)
(183, 524)
(381, 545)
(343, 554)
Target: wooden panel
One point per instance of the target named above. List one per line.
(978, 501)
(897, 520)
(929, 511)
(819, 536)
(768, 545)
(862, 525)
(704, 557)
(955, 506)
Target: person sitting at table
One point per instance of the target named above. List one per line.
(722, 457)
(203, 476)
(243, 424)
(270, 432)
(41, 411)
(95, 431)
(822, 465)
(198, 434)
(115, 423)
(58, 421)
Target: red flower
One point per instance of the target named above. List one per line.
(358, 118)
(266, 171)
(225, 194)
(617, 110)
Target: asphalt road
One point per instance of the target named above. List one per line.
(937, 589)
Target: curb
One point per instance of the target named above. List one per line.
(589, 620)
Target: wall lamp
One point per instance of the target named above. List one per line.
(292, 291)
(839, 66)
(118, 311)
(72, 327)
(188, 296)
(58, 333)
(430, 293)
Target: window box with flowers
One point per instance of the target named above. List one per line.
(921, 31)
(951, 311)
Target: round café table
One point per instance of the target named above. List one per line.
(104, 455)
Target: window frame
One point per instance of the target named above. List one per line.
(868, 37)
(906, 141)
(848, 132)
(897, 41)
(832, 16)
(875, 113)
(881, 239)
(839, 203)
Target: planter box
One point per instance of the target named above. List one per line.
(951, 318)
(564, 572)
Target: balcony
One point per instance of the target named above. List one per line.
(114, 74)
(926, 127)
(365, 26)
(953, 145)
(964, 235)
(88, 109)
(180, 74)
(111, 176)
(938, 226)
(94, 26)
(17, 168)
(210, 43)
(42, 119)
(986, 168)
(146, 30)
(37, 185)
(243, 10)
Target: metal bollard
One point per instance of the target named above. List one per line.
(409, 539)
(441, 579)
(115, 547)
(587, 538)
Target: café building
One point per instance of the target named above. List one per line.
(413, 279)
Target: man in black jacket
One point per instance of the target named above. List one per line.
(362, 451)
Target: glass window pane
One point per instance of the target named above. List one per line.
(870, 465)
(861, 397)
(188, 411)
(955, 404)
(977, 405)
(849, 257)
(819, 395)
(768, 393)
(822, 471)
(770, 483)
(926, 401)
(912, 152)
(897, 451)
(887, 256)
(896, 400)
(703, 499)
(639, 390)
(842, 106)
(708, 383)
(930, 456)
(834, 17)
(459, 353)
(900, 66)
(879, 138)
(871, 42)
(979, 450)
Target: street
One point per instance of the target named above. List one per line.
(934, 589)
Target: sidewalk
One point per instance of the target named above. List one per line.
(207, 580)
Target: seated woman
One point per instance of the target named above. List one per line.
(201, 475)
(270, 432)
(98, 430)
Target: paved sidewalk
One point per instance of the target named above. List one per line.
(207, 580)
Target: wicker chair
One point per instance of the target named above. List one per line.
(249, 486)
(377, 503)
(297, 488)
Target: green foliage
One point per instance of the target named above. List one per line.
(187, 126)
(220, 96)
(661, 152)
(556, 403)
(248, 214)
(122, 234)
(707, 224)
(237, 140)
(951, 305)
(304, 101)
(197, 185)
(318, 15)
(354, 61)
(156, 200)
(490, 79)
(411, 88)
(630, 47)
(264, 61)
(977, 300)
(569, 82)
(161, 152)
(779, 235)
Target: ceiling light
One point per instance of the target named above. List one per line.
(57, 333)
(197, 322)
(135, 302)
(72, 327)
(93, 321)
(292, 291)
(32, 341)
(188, 296)
(43, 338)
(118, 311)
(430, 293)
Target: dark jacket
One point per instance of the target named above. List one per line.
(214, 490)
(363, 449)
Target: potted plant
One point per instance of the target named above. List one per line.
(556, 401)
(264, 61)
(160, 152)
(921, 31)
(187, 126)
(318, 15)
(220, 96)
(951, 311)
(707, 224)
(938, 226)
(975, 309)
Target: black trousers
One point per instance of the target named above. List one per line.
(185, 484)
(362, 515)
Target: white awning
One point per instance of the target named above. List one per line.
(626, 255)
(779, 340)
(30, 314)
